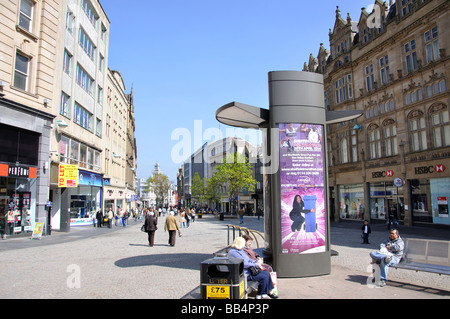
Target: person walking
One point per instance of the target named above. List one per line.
(172, 226)
(150, 225)
(110, 218)
(241, 213)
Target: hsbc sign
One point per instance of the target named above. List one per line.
(429, 169)
(379, 174)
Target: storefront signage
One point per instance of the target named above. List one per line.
(37, 232)
(380, 174)
(398, 182)
(302, 188)
(17, 171)
(68, 175)
(88, 178)
(429, 169)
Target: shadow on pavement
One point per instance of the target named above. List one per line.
(181, 260)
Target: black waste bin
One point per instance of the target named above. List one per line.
(221, 216)
(222, 277)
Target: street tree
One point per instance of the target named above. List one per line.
(198, 188)
(235, 173)
(160, 185)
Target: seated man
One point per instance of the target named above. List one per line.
(390, 253)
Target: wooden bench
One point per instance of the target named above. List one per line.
(426, 255)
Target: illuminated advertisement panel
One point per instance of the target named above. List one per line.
(303, 227)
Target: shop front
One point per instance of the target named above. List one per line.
(24, 141)
(17, 199)
(86, 199)
(429, 188)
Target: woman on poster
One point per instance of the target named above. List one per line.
(296, 213)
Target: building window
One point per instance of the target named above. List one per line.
(64, 108)
(70, 21)
(432, 44)
(343, 148)
(84, 80)
(417, 133)
(26, 14)
(406, 7)
(384, 70)
(354, 140)
(67, 62)
(411, 56)
(90, 13)
(82, 117)
(86, 44)
(390, 139)
(440, 126)
(369, 77)
(374, 142)
(21, 72)
(74, 152)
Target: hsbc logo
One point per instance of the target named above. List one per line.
(429, 169)
(379, 174)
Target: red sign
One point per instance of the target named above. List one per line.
(389, 173)
(439, 168)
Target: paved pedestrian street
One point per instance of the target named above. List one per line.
(117, 263)
(108, 263)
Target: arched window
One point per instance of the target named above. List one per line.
(440, 125)
(417, 131)
(390, 137)
(374, 141)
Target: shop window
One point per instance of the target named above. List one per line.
(351, 201)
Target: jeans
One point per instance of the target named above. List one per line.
(265, 283)
(384, 267)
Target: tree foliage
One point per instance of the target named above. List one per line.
(236, 173)
(160, 185)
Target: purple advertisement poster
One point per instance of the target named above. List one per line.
(302, 188)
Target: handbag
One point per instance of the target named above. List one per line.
(143, 228)
(254, 270)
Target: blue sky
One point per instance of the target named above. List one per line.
(187, 58)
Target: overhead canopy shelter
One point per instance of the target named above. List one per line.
(246, 116)
(242, 115)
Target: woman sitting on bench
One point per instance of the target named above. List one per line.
(252, 269)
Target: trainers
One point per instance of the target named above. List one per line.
(387, 259)
(381, 283)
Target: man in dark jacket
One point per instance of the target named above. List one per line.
(150, 227)
(99, 217)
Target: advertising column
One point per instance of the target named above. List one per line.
(298, 188)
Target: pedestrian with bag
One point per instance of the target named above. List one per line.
(172, 226)
(150, 226)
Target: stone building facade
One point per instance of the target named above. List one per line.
(392, 64)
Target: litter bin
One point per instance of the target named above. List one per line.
(221, 216)
(222, 277)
